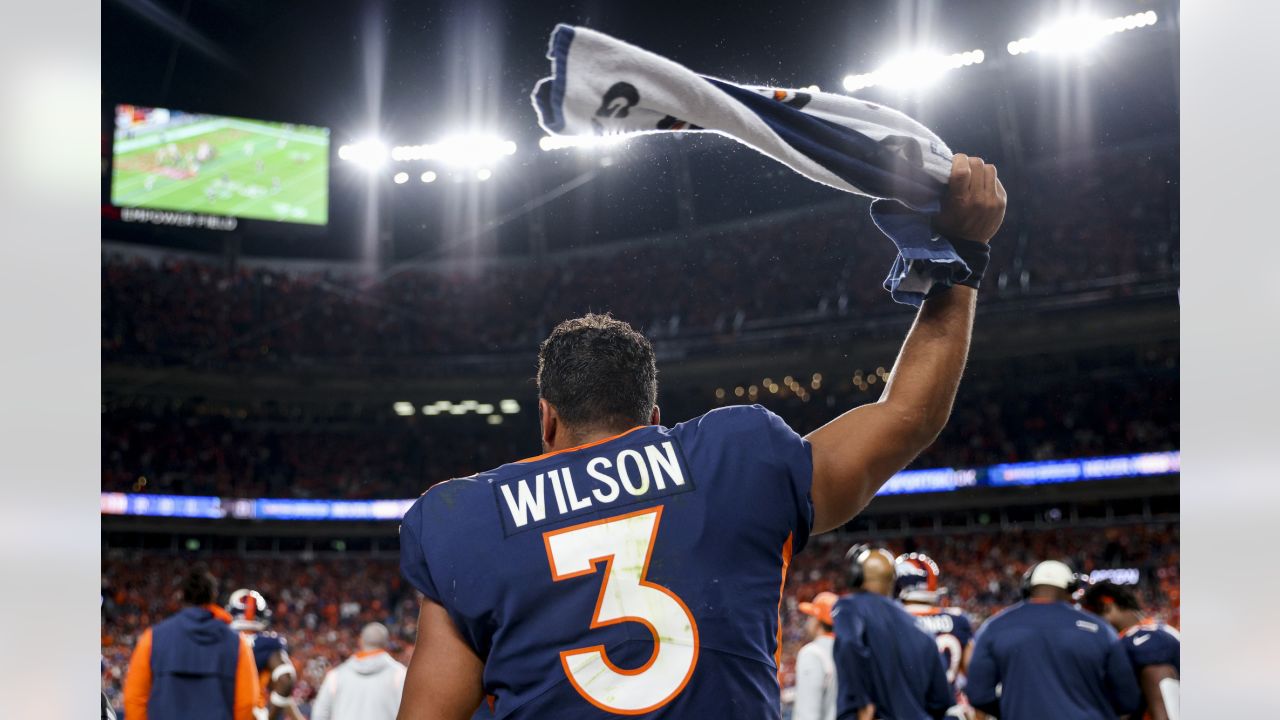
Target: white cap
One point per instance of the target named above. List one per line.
(1051, 572)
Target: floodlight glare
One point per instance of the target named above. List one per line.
(509, 406)
(913, 71)
(1079, 34)
(483, 174)
(401, 178)
(403, 409)
(458, 151)
(370, 154)
(560, 142)
(428, 176)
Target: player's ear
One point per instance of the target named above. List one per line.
(655, 417)
(549, 421)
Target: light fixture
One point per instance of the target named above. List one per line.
(1078, 33)
(483, 174)
(402, 408)
(401, 178)
(428, 176)
(458, 151)
(913, 70)
(495, 419)
(561, 142)
(370, 154)
(509, 406)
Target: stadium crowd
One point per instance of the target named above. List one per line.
(1110, 227)
(1036, 408)
(319, 604)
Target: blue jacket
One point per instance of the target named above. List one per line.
(883, 657)
(191, 666)
(1052, 662)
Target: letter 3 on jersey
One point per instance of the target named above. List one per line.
(640, 575)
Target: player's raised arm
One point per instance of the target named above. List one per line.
(859, 451)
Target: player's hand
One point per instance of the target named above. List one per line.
(973, 206)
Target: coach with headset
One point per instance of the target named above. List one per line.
(1043, 659)
(887, 667)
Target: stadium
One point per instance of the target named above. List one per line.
(332, 244)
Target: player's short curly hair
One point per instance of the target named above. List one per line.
(199, 587)
(598, 372)
(1101, 594)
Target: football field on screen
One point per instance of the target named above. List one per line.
(226, 166)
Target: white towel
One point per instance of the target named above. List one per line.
(603, 86)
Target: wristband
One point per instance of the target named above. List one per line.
(974, 254)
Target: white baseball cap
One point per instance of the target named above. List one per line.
(1051, 572)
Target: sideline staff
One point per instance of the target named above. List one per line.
(192, 666)
(886, 665)
(1050, 660)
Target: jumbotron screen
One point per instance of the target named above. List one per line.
(189, 162)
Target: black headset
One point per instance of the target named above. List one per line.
(857, 555)
(1071, 588)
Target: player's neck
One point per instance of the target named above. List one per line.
(1126, 621)
(566, 438)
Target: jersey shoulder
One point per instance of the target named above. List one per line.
(269, 642)
(1153, 644)
(731, 420)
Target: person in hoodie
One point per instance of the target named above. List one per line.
(365, 687)
(192, 666)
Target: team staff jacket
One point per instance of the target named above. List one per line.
(638, 575)
(191, 666)
(1052, 662)
(884, 658)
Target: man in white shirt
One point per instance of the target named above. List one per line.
(815, 692)
(367, 686)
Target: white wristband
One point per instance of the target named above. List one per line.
(284, 668)
(279, 700)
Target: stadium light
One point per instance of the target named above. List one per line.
(401, 178)
(509, 406)
(403, 409)
(1078, 34)
(561, 142)
(370, 154)
(428, 176)
(458, 151)
(483, 174)
(913, 71)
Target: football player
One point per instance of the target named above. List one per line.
(916, 585)
(276, 674)
(1154, 648)
(636, 569)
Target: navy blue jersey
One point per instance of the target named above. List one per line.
(641, 574)
(1052, 662)
(1153, 643)
(266, 644)
(883, 657)
(951, 631)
